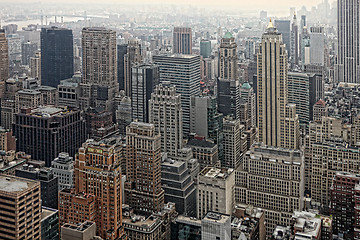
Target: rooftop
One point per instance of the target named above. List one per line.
(228, 35)
(216, 217)
(212, 172)
(201, 143)
(13, 184)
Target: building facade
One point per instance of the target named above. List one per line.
(182, 40)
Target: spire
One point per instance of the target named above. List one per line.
(271, 25)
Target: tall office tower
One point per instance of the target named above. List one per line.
(143, 190)
(166, 114)
(20, 213)
(317, 46)
(48, 183)
(215, 188)
(344, 201)
(277, 186)
(28, 50)
(57, 55)
(63, 169)
(283, 27)
(97, 195)
(294, 41)
(206, 121)
(277, 121)
(216, 225)
(35, 66)
(47, 131)
(228, 96)
(144, 78)
(205, 48)
(121, 52)
(298, 89)
(186, 79)
(99, 85)
(228, 58)
(316, 91)
(302, 22)
(182, 40)
(132, 56)
(233, 132)
(348, 27)
(248, 96)
(4, 61)
(179, 187)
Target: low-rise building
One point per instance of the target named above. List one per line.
(63, 169)
(216, 226)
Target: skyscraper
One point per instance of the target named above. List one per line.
(205, 48)
(121, 52)
(144, 78)
(232, 143)
(57, 55)
(294, 41)
(182, 71)
(97, 195)
(348, 28)
(4, 61)
(277, 122)
(182, 40)
(283, 27)
(132, 56)
(166, 114)
(99, 83)
(143, 190)
(228, 58)
(28, 50)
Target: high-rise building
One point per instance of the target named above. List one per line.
(4, 61)
(317, 46)
(132, 56)
(57, 55)
(278, 122)
(48, 183)
(166, 114)
(121, 52)
(47, 131)
(272, 179)
(228, 58)
(205, 151)
(215, 188)
(144, 78)
(182, 40)
(123, 113)
(97, 195)
(344, 203)
(348, 29)
(228, 96)
(205, 48)
(233, 132)
(186, 79)
(99, 85)
(316, 91)
(283, 26)
(248, 96)
(179, 187)
(143, 190)
(294, 41)
(63, 169)
(20, 200)
(206, 121)
(298, 90)
(35, 66)
(320, 110)
(216, 225)
(28, 51)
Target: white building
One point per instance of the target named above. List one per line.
(63, 169)
(216, 226)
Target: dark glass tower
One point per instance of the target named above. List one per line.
(57, 55)
(121, 51)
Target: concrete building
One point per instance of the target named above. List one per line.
(205, 151)
(248, 96)
(277, 121)
(123, 113)
(178, 186)
(183, 228)
(69, 92)
(27, 98)
(228, 58)
(216, 226)
(57, 55)
(96, 167)
(48, 183)
(320, 110)
(144, 78)
(99, 123)
(215, 188)
(121, 52)
(4, 62)
(63, 169)
(132, 56)
(99, 57)
(11, 160)
(35, 66)
(233, 132)
(347, 68)
(49, 223)
(272, 179)
(143, 191)
(86, 231)
(165, 113)
(28, 50)
(317, 46)
(294, 43)
(47, 131)
(19, 200)
(283, 27)
(7, 140)
(182, 40)
(306, 226)
(186, 79)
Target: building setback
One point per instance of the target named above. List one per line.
(47, 131)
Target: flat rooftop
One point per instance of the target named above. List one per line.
(212, 172)
(216, 217)
(13, 184)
